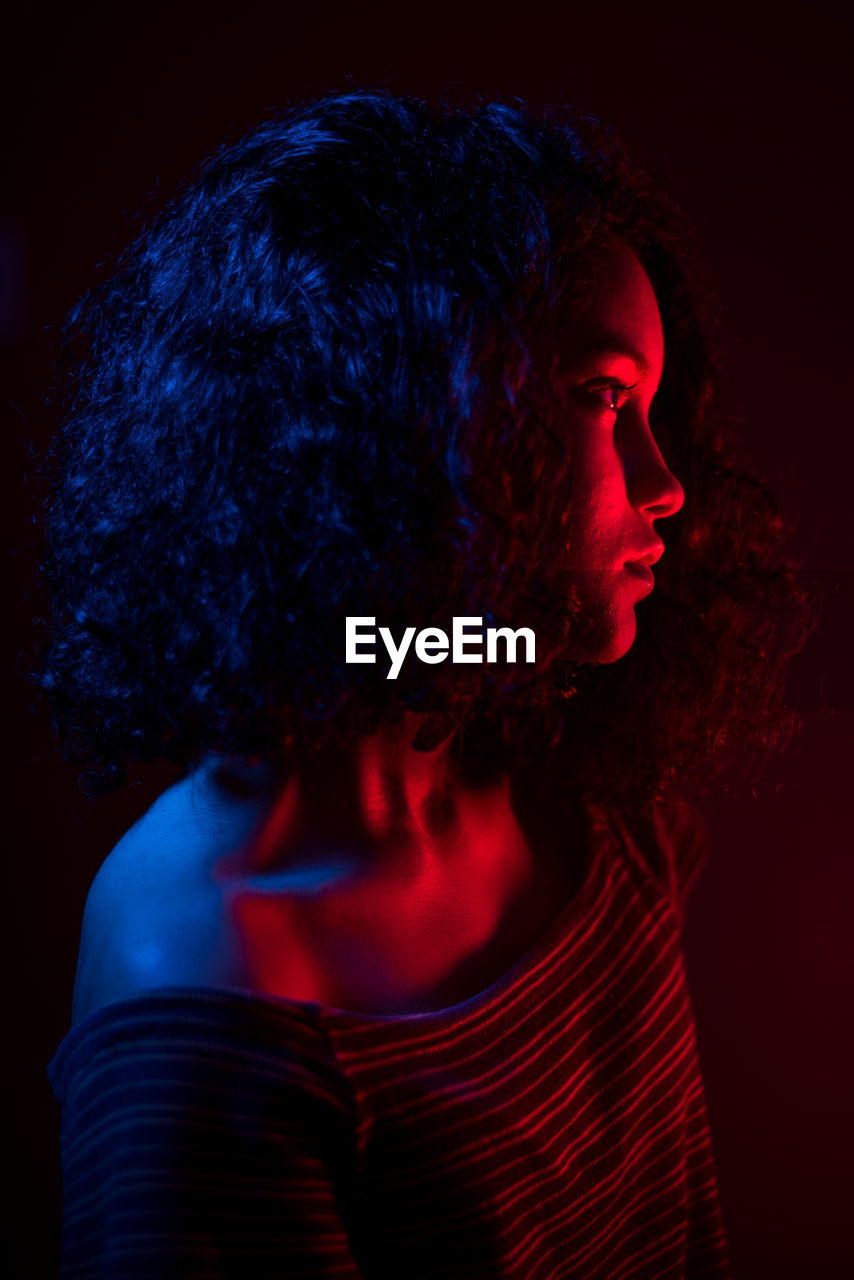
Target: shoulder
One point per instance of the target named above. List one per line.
(670, 842)
(683, 839)
(152, 916)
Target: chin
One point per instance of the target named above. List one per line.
(613, 641)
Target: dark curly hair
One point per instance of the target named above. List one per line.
(315, 387)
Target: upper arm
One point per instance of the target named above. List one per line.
(204, 1133)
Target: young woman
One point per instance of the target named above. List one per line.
(390, 982)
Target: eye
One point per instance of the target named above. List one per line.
(608, 393)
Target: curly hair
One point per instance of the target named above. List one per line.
(314, 387)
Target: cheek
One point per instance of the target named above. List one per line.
(605, 627)
(597, 512)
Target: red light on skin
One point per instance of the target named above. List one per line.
(368, 940)
(606, 372)
(371, 918)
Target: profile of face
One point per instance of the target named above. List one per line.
(607, 373)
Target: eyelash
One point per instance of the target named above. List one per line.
(617, 390)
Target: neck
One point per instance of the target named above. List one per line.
(378, 799)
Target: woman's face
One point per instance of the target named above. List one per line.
(608, 370)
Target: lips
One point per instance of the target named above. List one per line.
(640, 569)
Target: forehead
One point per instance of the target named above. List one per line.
(612, 305)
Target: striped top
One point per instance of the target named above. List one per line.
(553, 1126)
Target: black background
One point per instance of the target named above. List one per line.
(745, 115)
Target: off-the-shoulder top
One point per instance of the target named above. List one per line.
(552, 1126)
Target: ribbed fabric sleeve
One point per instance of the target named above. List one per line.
(553, 1126)
(204, 1134)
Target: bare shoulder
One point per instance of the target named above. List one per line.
(152, 916)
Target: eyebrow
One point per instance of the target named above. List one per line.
(613, 347)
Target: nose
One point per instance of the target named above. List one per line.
(650, 484)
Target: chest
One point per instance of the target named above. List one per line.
(400, 940)
(557, 1123)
